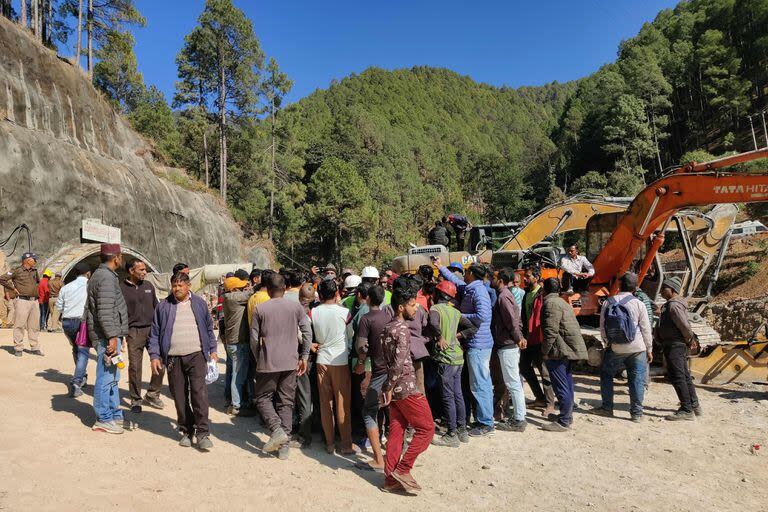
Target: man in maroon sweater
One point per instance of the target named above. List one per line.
(274, 344)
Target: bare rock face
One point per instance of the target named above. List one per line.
(737, 320)
(66, 155)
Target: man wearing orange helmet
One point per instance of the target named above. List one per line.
(447, 327)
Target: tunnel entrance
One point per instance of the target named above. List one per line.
(64, 260)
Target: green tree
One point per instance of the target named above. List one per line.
(116, 73)
(151, 116)
(274, 88)
(222, 58)
(103, 17)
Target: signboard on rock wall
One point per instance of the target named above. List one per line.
(94, 231)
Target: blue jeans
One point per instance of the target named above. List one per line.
(106, 392)
(453, 397)
(636, 364)
(480, 384)
(237, 371)
(79, 354)
(561, 374)
(510, 372)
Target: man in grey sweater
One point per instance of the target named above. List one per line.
(274, 343)
(107, 317)
(634, 354)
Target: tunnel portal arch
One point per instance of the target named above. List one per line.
(71, 254)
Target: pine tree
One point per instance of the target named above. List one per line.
(116, 73)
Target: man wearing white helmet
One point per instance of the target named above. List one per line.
(350, 288)
(371, 275)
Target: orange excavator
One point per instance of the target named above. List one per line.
(641, 228)
(631, 241)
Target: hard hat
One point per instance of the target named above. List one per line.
(48, 273)
(352, 281)
(234, 283)
(456, 266)
(447, 288)
(370, 272)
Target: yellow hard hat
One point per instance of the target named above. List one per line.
(48, 272)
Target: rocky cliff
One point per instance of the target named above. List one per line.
(66, 155)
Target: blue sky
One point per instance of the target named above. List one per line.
(511, 43)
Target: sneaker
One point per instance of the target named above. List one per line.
(512, 426)
(637, 419)
(153, 402)
(278, 439)
(481, 431)
(185, 441)
(601, 411)
(463, 434)
(697, 411)
(204, 443)
(680, 415)
(110, 427)
(451, 439)
(283, 452)
(550, 413)
(37, 352)
(555, 427)
(135, 408)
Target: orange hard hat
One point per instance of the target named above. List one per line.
(447, 288)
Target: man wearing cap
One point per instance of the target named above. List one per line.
(141, 301)
(71, 302)
(371, 275)
(43, 298)
(621, 351)
(351, 301)
(676, 337)
(329, 272)
(107, 317)
(236, 340)
(447, 328)
(54, 287)
(475, 305)
(23, 281)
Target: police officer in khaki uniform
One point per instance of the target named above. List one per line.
(23, 280)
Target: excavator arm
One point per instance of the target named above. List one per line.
(693, 184)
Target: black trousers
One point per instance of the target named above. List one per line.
(304, 403)
(578, 284)
(275, 393)
(678, 373)
(531, 357)
(186, 380)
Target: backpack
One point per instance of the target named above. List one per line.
(618, 324)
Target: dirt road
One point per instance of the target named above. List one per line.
(51, 460)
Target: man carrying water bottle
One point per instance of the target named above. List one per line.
(626, 331)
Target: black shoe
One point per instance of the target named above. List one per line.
(451, 439)
(601, 411)
(481, 431)
(155, 403)
(136, 409)
(512, 425)
(681, 415)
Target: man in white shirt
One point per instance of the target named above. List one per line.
(626, 332)
(577, 270)
(334, 382)
(71, 304)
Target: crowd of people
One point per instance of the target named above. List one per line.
(377, 361)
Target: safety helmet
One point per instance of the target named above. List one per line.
(352, 281)
(370, 272)
(447, 287)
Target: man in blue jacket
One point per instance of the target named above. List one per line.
(182, 339)
(476, 307)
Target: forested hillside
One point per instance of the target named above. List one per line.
(355, 172)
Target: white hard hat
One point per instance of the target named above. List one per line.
(352, 281)
(370, 272)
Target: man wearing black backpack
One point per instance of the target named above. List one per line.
(626, 332)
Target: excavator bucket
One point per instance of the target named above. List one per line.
(741, 361)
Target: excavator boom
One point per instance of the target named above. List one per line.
(691, 185)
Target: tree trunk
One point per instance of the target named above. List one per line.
(274, 171)
(222, 128)
(89, 28)
(35, 19)
(205, 157)
(50, 22)
(46, 27)
(23, 18)
(79, 32)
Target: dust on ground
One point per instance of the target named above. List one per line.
(51, 460)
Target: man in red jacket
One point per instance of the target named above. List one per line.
(531, 356)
